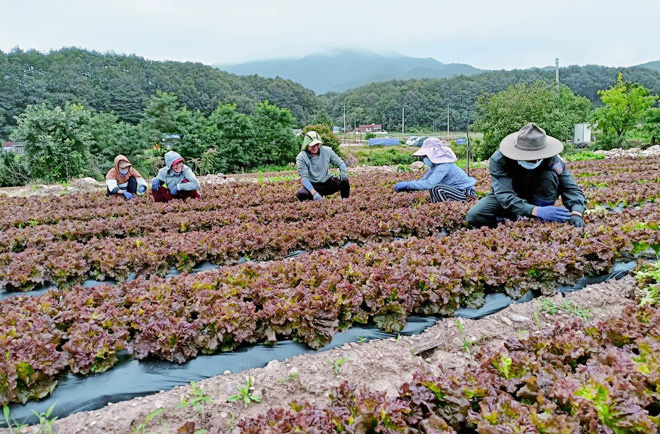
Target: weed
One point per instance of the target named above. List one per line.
(199, 398)
(537, 319)
(245, 394)
(14, 427)
(232, 423)
(362, 339)
(292, 376)
(466, 342)
(548, 306)
(336, 365)
(575, 310)
(45, 421)
(142, 428)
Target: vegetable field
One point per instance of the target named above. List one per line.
(249, 264)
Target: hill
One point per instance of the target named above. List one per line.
(426, 100)
(122, 84)
(341, 70)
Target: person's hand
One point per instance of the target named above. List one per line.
(343, 176)
(553, 213)
(317, 196)
(127, 195)
(155, 184)
(174, 190)
(141, 189)
(401, 186)
(576, 221)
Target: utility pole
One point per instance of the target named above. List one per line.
(344, 118)
(467, 145)
(557, 74)
(403, 120)
(447, 120)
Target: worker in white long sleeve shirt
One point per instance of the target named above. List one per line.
(124, 179)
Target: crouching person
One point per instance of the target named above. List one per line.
(174, 181)
(444, 179)
(124, 180)
(313, 164)
(527, 178)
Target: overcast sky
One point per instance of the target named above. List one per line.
(489, 34)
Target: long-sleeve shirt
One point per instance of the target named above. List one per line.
(443, 173)
(316, 168)
(513, 185)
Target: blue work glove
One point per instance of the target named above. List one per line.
(174, 190)
(141, 189)
(553, 213)
(343, 176)
(401, 186)
(155, 184)
(576, 221)
(317, 196)
(127, 194)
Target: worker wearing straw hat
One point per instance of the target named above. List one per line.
(527, 178)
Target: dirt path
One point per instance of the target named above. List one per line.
(379, 364)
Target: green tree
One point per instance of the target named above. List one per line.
(624, 104)
(507, 111)
(651, 124)
(275, 142)
(232, 140)
(57, 141)
(329, 138)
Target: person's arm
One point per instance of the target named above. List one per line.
(430, 179)
(192, 184)
(336, 160)
(502, 185)
(571, 194)
(112, 186)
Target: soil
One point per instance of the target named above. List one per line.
(381, 365)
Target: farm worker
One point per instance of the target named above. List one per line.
(313, 163)
(124, 179)
(527, 177)
(444, 179)
(175, 180)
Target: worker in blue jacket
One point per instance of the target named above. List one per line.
(444, 179)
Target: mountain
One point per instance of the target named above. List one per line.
(340, 70)
(651, 65)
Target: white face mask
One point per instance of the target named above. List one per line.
(529, 165)
(427, 161)
(123, 172)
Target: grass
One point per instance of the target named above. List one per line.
(245, 394)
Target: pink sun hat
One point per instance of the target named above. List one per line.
(437, 150)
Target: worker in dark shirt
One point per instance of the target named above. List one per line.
(527, 178)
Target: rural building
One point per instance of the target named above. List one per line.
(17, 147)
(371, 128)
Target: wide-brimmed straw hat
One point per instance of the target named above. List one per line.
(530, 143)
(437, 150)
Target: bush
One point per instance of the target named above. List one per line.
(13, 170)
(57, 141)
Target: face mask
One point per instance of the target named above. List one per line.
(427, 161)
(123, 172)
(530, 165)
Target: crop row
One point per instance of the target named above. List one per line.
(34, 211)
(28, 212)
(572, 378)
(307, 299)
(71, 262)
(373, 198)
(70, 251)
